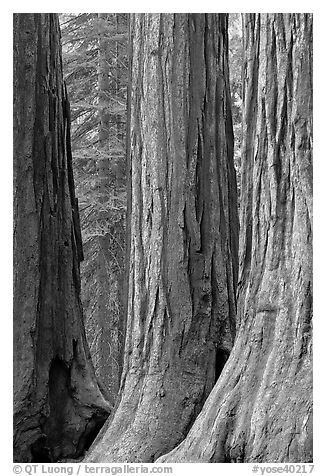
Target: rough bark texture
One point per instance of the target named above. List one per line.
(184, 234)
(261, 408)
(58, 406)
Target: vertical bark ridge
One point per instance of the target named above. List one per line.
(183, 258)
(57, 402)
(261, 408)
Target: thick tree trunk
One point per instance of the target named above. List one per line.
(58, 406)
(261, 407)
(184, 233)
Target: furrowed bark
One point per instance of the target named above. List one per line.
(58, 407)
(183, 237)
(261, 408)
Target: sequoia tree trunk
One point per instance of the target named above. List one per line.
(58, 407)
(184, 234)
(261, 408)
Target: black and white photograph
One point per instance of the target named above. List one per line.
(162, 243)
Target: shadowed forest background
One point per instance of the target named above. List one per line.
(163, 240)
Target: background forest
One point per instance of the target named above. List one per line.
(95, 66)
(163, 237)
